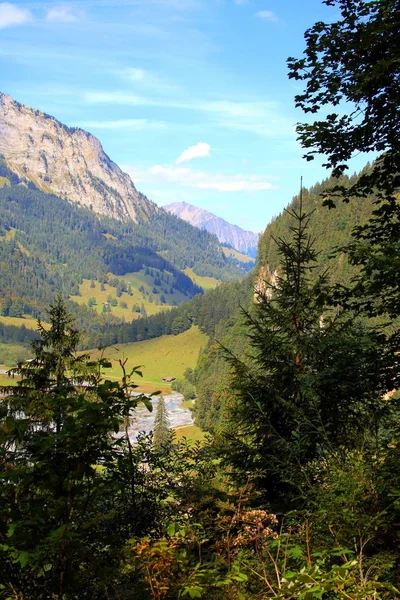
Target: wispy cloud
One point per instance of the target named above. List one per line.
(186, 177)
(199, 150)
(62, 14)
(11, 15)
(266, 15)
(146, 80)
(120, 98)
(134, 74)
(260, 118)
(133, 124)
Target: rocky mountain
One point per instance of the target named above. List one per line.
(243, 241)
(67, 162)
(72, 223)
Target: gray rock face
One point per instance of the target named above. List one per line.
(68, 162)
(243, 241)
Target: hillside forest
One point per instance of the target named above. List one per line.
(292, 491)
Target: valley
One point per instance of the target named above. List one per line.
(190, 409)
(167, 356)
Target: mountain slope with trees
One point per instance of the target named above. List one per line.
(48, 246)
(329, 230)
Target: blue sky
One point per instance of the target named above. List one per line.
(191, 97)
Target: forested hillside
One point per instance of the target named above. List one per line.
(48, 246)
(330, 229)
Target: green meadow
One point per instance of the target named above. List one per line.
(238, 255)
(141, 295)
(29, 322)
(207, 283)
(167, 356)
(191, 432)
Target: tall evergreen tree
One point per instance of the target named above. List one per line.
(313, 378)
(162, 433)
(60, 471)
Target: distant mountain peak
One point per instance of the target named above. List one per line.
(243, 241)
(67, 161)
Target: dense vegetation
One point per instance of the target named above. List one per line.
(296, 495)
(331, 232)
(49, 246)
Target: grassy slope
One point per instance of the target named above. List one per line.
(167, 356)
(238, 255)
(9, 235)
(136, 280)
(29, 322)
(191, 432)
(5, 380)
(207, 283)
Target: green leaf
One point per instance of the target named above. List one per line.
(295, 552)
(194, 592)
(171, 529)
(23, 558)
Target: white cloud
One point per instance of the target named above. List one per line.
(261, 118)
(186, 177)
(146, 80)
(11, 15)
(61, 14)
(134, 74)
(266, 15)
(134, 124)
(197, 151)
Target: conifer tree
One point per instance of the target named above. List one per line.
(162, 434)
(60, 469)
(312, 380)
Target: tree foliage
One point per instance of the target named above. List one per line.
(58, 459)
(353, 63)
(162, 434)
(313, 379)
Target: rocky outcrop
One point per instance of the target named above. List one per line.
(68, 162)
(243, 241)
(263, 283)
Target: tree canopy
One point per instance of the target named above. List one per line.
(353, 66)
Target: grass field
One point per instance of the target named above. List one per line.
(29, 322)
(6, 380)
(9, 235)
(207, 283)
(4, 181)
(11, 354)
(167, 356)
(191, 432)
(142, 286)
(238, 255)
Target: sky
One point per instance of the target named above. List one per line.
(190, 97)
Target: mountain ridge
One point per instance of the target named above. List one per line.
(240, 239)
(68, 162)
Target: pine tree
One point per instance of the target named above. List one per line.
(162, 433)
(312, 380)
(61, 469)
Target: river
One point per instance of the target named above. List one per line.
(143, 420)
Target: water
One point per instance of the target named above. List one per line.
(143, 420)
